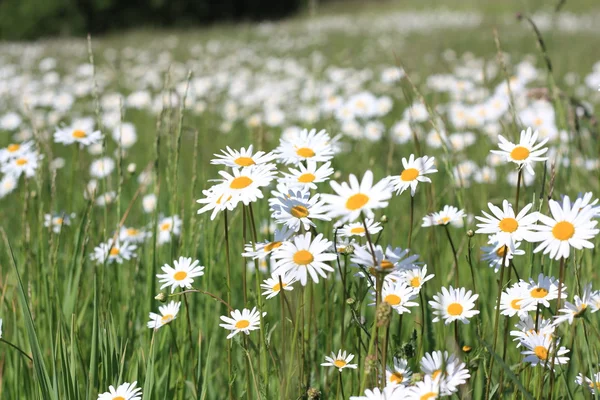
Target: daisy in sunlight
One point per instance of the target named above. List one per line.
(398, 295)
(82, 134)
(181, 275)
(524, 153)
(263, 249)
(113, 251)
(126, 391)
(306, 145)
(244, 184)
(167, 314)
(507, 227)
(15, 150)
(308, 176)
(539, 349)
(242, 158)
(168, 227)
(454, 305)
(339, 361)
(244, 321)
(448, 215)
(414, 172)
(298, 209)
(272, 286)
(358, 229)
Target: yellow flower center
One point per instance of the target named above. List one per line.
(244, 161)
(306, 178)
(387, 264)
(538, 293)
(436, 373)
(243, 323)
(427, 396)
(538, 121)
(409, 174)
(180, 275)
(392, 299)
(277, 287)
(501, 251)
(357, 231)
(166, 318)
(396, 377)
(13, 147)
(114, 251)
(299, 211)
(444, 220)
(508, 225)
(58, 221)
(119, 398)
(563, 230)
(515, 304)
(340, 363)
(305, 152)
(78, 134)
(541, 352)
(303, 257)
(519, 153)
(272, 246)
(455, 309)
(21, 161)
(415, 282)
(132, 231)
(240, 182)
(357, 201)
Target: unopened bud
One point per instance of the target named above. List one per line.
(313, 393)
(350, 301)
(383, 220)
(470, 233)
(131, 168)
(161, 297)
(383, 314)
(348, 250)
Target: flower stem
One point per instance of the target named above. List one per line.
(229, 366)
(456, 277)
(412, 215)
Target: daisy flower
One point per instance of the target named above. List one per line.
(167, 227)
(543, 290)
(511, 300)
(414, 172)
(133, 235)
(102, 167)
(570, 311)
(306, 145)
(527, 326)
(307, 176)
(388, 260)
(244, 321)
(15, 150)
(25, 164)
(8, 184)
(215, 199)
(415, 277)
(495, 254)
(448, 215)
(427, 389)
(507, 227)
(244, 183)
(113, 252)
(126, 391)
(298, 209)
(167, 314)
(83, 135)
(524, 153)
(388, 393)
(356, 198)
(340, 361)
(454, 305)
(242, 158)
(539, 350)
(182, 275)
(56, 221)
(398, 295)
(591, 384)
(263, 249)
(272, 286)
(447, 370)
(302, 256)
(400, 374)
(569, 226)
(358, 228)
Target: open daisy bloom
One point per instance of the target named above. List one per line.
(355, 198)
(398, 295)
(507, 227)
(592, 384)
(113, 251)
(182, 275)
(304, 256)
(297, 209)
(358, 228)
(388, 393)
(446, 371)
(511, 300)
(126, 391)
(427, 389)
(167, 314)
(539, 350)
(15, 150)
(83, 134)
(580, 305)
(543, 290)
(387, 261)
(571, 225)
(307, 145)
(498, 253)
(448, 215)
(168, 227)
(275, 284)
(308, 176)
(263, 249)
(524, 153)
(244, 321)
(454, 305)
(400, 374)
(414, 172)
(340, 361)
(244, 184)
(25, 164)
(242, 158)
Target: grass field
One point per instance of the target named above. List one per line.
(386, 80)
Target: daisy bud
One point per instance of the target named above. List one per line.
(161, 297)
(348, 250)
(131, 168)
(313, 394)
(384, 311)
(470, 233)
(350, 301)
(416, 377)
(383, 219)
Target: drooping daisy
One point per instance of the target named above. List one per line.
(570, 226)
(511, 300)
(306, 145)
(298, 209)
(242, 158)
(56, 221)
(15, 150)
(182, 275)
(507, 227)
(592, 384)
(167, 314)
(356, 198)
(496, 253)
(340, 361)
(126, 391)
(273, 286)
(358, 228)
(26, 164)
(243, 184)
(527, 326)
(399, 374)
(447, 370)
(244, 321)
(539, 350)
(263, 249)
(398, 295)
(415, 277)
(454, 305)
(414, 172)
(308, 176)
(302, 256)
(543, 290)
(83, 134)
(524, 153)
(388, 260)
(167, 227)
(448, 215)
(113, 251)
(133, 235)
(570, 311)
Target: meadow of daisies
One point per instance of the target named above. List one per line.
(390, 202)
